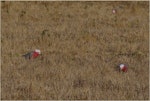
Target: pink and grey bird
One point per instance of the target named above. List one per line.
(123, 67)
(32, 54)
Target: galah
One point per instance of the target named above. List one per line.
(33, 54)
(123, 67)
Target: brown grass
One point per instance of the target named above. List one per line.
(81, 43)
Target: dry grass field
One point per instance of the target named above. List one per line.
(81, 44)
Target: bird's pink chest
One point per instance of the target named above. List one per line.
(35, 54)
(124, 69)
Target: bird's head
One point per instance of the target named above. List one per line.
(38, 51)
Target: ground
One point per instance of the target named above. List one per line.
(81, 43)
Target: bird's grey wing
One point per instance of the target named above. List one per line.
(28, 55)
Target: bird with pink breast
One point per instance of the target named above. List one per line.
(33, 54)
